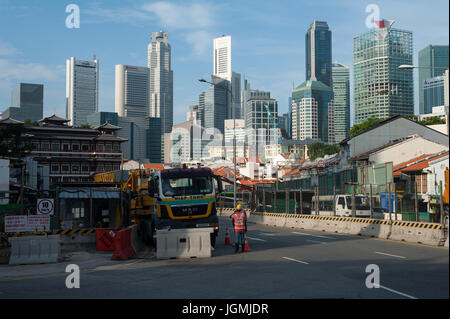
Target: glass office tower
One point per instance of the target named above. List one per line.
(318, 53)
(341, 89)
(380, 88)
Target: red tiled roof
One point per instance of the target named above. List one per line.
(156, 167)
(417, 164)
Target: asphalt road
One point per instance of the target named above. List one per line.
(282, 263)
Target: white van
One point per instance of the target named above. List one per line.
(343, 205)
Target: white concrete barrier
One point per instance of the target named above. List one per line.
(35, 249)
(425, 233)
(183, 243)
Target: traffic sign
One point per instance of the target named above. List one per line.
(45, 206)
(321, 163)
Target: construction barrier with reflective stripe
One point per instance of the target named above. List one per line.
(35, 250)
(417, 232)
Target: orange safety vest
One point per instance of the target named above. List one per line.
(239, 221)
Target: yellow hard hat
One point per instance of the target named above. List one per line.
(239, 206)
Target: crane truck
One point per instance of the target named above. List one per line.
(170, 198)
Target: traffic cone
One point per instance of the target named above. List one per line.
(227, 237)
(246, 244)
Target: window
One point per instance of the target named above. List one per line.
(55, 147)
(55, 168)
(341, 202)
(75, 147)
(65, 147)
(45, 147)
(116, 147)
(34, 146)
(75, 168)
(85, 148)
(100, 147)
(108, 147)
(65, 168)
(85, 168)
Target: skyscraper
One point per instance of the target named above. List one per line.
(222, 69)
(161, 80)
(132, 91)
(433, 92)
(313, 112)
(433, 60)
(216, 100)
(318, 53)
(380, 88)
(341, 89)
(27, 103)
(81, 90)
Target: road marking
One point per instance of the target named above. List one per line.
(395, 291)
(299, 261)
(320, 236)
(256, 239)
(377, 252)
(315, 241)
(267, 234)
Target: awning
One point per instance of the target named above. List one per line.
(85, 193)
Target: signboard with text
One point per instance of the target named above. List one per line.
(26, 223)
(45, 206)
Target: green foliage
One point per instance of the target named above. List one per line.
(317, 150)
(30, 123)
(85, 126)
(434, 120)
(358, 128)
(13, 142)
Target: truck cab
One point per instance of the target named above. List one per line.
(184, 198)
(344, 206)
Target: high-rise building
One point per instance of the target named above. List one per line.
(216, 100)
(380, 88)
(433, 61)
(27, 103)
(318, 53)
(153, 139)
(283, 124)
(433, 92)
(132, 91)
(161, 80)
(341, 89)
(260, 125)
(222, 57)
(81, 90)
(313, 112)
(194, 114)
(134, 129)
(222, 69)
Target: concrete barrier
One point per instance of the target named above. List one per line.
(183, 243)
(35, 249)
(78, 242)
(424, 233)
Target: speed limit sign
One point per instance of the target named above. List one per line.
(45, 206)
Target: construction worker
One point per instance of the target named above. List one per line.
(239, 221)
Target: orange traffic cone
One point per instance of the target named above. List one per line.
(227, 237)
(246, 244)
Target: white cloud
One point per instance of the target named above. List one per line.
(7, 49)
(200, 40)
(178, 16)
(29, 71)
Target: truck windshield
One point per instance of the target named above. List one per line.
(186, 186)
(362, 202)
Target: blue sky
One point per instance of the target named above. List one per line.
(267, 40)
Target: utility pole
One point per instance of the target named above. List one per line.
(389, 202)
(370, 202)
(416, 202)
(353, 201)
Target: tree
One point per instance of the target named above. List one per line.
(318, 149)
(30, 123)
(358, 128)
(14, 143)
(85, 126)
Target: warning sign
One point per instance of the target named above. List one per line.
(26, 223)
(45, 206)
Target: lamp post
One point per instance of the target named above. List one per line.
(234, 134)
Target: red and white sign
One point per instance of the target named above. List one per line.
(45, 206)
(26, 223)
(321, 163)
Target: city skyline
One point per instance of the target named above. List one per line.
(270, 62)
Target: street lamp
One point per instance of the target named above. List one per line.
(234, 134)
